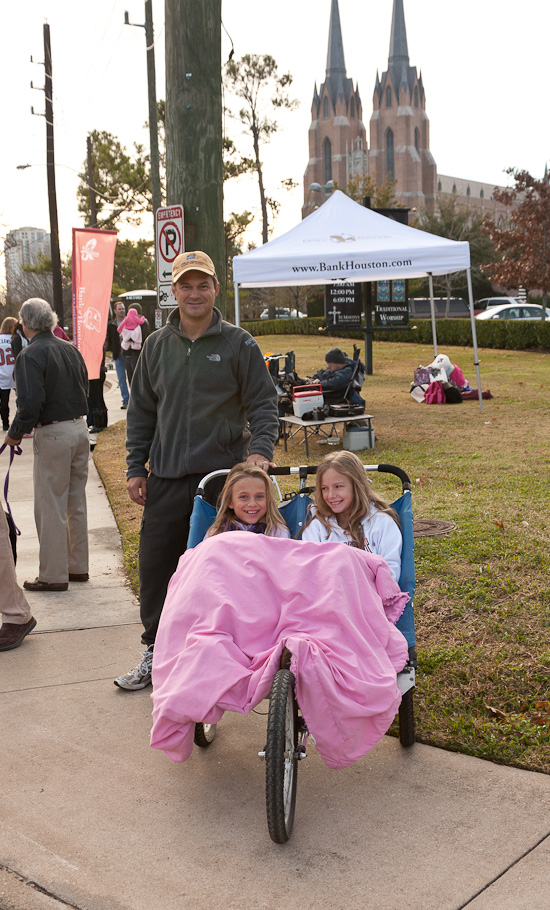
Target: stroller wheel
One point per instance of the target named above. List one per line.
(406, 719)
(281, 763)
(204, 734)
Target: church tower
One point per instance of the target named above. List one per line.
(337, 136)
(399, 126)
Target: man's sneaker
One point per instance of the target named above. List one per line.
(140, 676)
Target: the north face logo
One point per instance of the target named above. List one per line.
(215, 357)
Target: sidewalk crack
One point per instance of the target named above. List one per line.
(504, 871)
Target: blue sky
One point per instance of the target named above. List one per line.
(483, 62)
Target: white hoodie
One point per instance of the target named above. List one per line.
(382, 537)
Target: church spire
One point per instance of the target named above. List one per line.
(399, 52)
(336, 65)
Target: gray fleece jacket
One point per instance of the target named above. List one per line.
(191, 401)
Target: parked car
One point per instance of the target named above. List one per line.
(521, 311)
(419, 307)
(283, 313)
(488, 302)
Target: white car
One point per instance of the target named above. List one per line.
(283, 313)
(488, 302)
(516, 310)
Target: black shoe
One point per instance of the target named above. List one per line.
(124, 405)
(38, 585)
(12, 635)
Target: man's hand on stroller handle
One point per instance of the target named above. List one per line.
(261, 462)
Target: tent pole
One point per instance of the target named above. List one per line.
(432, 311)
(474, 335)
(237, 314)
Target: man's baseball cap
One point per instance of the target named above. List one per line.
(197, 261)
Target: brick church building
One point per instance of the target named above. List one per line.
(399, 132)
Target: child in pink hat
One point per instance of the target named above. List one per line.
(130, 329)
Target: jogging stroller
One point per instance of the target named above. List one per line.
(287, 732)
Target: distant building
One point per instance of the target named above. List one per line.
(25, 246)
(399, 132)
(474, 195)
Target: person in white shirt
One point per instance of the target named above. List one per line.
(7, 360)
(348, 510)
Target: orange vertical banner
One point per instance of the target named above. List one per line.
(93, 264)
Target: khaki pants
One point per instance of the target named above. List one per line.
(61, 456)
(13, 603)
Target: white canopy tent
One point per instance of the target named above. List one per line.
(344, 241)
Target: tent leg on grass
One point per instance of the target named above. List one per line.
(432, 311)
(474, 335)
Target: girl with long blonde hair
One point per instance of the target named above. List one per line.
(246, 504)
(348, 510)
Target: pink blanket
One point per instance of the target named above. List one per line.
(232, 605)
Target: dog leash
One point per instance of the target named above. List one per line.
(14, 450)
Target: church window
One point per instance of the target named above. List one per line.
(416, 96)
(454, 187)
(481, 193)
(468, 191)
(325, 107)
(439, 186)
(327, 155)
(390, 162)
(417, 139)
(388, 96)
(352, 107)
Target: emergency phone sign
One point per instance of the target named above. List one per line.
(169, 240)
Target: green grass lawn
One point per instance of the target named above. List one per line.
(482, 602)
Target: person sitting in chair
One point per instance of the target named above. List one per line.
(338, 379)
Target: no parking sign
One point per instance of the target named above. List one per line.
(169, 244)
(169, 240)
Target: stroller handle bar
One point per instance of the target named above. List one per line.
(304, 470)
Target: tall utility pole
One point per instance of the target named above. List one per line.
(194, 171)
(50, 167)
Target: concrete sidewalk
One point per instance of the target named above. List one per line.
(91, 818)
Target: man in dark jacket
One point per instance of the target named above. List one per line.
(201, 399)
(336, 378)
(52, 389)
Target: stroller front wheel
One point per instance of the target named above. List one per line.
(281, 764)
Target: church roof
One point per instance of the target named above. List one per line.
(336, 82)
(398, 40)
(335, 54)
(401, 73)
